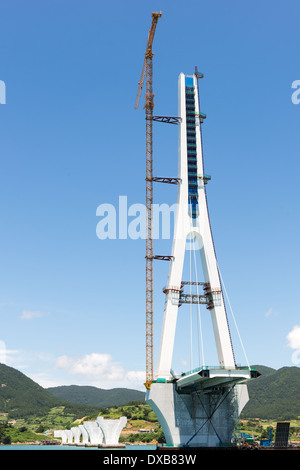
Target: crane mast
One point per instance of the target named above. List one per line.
(149, 105)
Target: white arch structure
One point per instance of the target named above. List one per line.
(102, 432)
(61, 434)
(111, 429)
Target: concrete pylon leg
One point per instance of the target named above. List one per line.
(70, 436)
(192, 220)
(111, 429)
(76, 433)
(94, 432)
(84, 433)
(62, 434)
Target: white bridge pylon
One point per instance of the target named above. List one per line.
(200, 407)
(192, 220)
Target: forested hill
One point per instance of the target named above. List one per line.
(275, 394)
(94, 396)
(21, 397)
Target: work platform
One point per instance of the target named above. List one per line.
(211, 377)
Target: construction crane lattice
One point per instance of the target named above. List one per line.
(149, 105)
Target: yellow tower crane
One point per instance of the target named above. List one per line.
(149, 105)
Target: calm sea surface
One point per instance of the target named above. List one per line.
(38, 447)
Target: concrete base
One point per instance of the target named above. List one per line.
(197, 418)
(110, 446)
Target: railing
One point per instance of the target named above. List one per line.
(198, 369)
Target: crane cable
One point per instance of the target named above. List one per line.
(235, 323)
(191, 316)
(199, 320)
(200, 333)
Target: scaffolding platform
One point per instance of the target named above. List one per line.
(207, 378)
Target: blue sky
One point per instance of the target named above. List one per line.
(72, 306)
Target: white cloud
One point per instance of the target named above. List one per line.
(101, 371)
(6, 354)
(293, 338)
(42, 379)
(135, 379)
(29, 314)
(92, 366)
(98, 370)
(271, 313)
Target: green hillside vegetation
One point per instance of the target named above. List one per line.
(142, 424)
(11, 434)
(27, 410)
(22, 398)
(275, 395)
(259, 428)
(93, 396)
(25, 407)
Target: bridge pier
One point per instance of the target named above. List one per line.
(94, 431)
(62, 434)
(111, 429)
(197, 418)
(84, 433)
(76, 434)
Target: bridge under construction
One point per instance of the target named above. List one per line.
(199, 407)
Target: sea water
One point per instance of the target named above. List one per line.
(61, 447)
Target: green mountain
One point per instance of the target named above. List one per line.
(94, 396)
(274, 395)
(21, 397)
